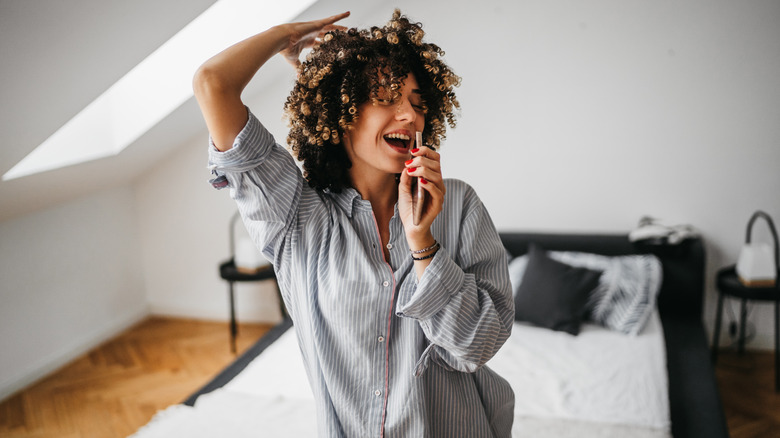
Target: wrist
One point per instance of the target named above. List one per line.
(284, 34)
(417, 243)
(425, 253)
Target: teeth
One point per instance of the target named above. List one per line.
(398, 136)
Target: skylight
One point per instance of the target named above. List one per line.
(155, 87)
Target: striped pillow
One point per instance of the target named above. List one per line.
(627, 291)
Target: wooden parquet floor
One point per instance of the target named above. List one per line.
(747, 389)
(117, 387)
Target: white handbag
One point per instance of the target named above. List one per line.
(757, 263)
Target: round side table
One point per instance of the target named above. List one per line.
(729, 284)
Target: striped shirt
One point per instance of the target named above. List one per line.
(386, 355)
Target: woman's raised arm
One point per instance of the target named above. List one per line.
(218, 83)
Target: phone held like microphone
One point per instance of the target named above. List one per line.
(418, 193)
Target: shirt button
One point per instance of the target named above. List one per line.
(386, 283)
(380, 339)
(389, 246)
(377, 393)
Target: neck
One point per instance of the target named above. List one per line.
(379, 189)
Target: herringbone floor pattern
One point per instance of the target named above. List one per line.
(116, 388)
(747, 384)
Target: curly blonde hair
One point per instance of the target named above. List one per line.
(357, 66)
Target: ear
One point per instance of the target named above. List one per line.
(346, 140)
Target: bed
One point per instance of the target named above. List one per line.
(656, 383)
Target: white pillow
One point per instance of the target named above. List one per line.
(516, 270)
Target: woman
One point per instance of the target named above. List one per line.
(395, 320)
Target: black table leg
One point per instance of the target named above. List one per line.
(777, 346)
(716, 335)
(233, 327)
(742, 323)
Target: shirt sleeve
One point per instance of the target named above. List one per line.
(465, 309)
(263, 180)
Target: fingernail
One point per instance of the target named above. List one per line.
(412, 169)
(409, 162)
(423, 181)
(415, 150)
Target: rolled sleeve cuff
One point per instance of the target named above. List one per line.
(442, 278)
(249, 149)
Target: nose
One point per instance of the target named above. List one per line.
(405, 111)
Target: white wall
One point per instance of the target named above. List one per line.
(71, 278)
(585, 116)
(577, 116)
(184, 224)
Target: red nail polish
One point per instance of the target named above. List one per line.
(423, 181)
(409, 162)
(415, 150)
(411, 169)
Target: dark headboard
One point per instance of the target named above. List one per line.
(682, 290)
(694, 401)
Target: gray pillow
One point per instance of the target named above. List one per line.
(553, 294)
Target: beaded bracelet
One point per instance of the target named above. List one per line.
(425, 257)
(420, 251)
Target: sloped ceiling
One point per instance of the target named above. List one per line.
(59, 56)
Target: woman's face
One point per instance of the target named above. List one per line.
(383, 135)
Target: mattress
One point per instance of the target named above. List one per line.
(598, 384)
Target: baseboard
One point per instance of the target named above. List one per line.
(262, 307)
(50, 363)
(269, 316)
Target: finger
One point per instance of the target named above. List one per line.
(435, 189)
(432, 184)
(424, 167)
(331, 27)
(316, 27)
(426, 152)
(405, 184)
(334, 18)
(427, 174)
(435, 200)
(424, 163)
(320, 37)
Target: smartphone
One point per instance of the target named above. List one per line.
(418, 193)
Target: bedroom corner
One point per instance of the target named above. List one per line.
(599, 114)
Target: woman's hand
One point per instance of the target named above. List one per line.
(425, 164)
(308, 34)
(219, 82)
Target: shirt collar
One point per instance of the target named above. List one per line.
(346, 199)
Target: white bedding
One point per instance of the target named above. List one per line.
(598, 384)
(601, 380)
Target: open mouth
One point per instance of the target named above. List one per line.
(398, 140)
